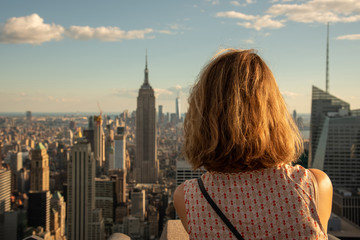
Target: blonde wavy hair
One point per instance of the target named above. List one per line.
(237, 119)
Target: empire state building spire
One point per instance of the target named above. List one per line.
(146, 71)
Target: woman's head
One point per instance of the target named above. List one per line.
(237, 119)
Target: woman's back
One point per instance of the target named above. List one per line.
(272, 203)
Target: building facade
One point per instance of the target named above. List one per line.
(39, 172)
(120, 149)
(146, 167)
(99, 142)
(335, 140)
(81, 195)
(5, 190)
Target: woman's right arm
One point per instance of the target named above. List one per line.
(179, 203)
(325, 193)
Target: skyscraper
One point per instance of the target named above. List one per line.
(335, 139)
(177, 108)
(39, 172)
(146, 164)
(160, 117)
(81, 212)
(120, 149)
(99, 142)
(39, 195)
(38, 213)
(138, 203)
(5, 192)
(28, 116)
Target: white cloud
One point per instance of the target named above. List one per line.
(249, 41)
(262, 22)
(256, 22)
(162, 92)
(233, 14)
(106, 34)
(125, 92)
(235, 3)
(32, 29)
(349, 37)
(168, 32)
(290, 94)
(321, 11)
(274, 1)
(29, 29)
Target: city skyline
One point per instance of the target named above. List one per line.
(78, 54)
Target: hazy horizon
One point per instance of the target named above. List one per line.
(68, 56)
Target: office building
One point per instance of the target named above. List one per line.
(335, 140)
(146, 167)
(13, 225)
(120, 149)
(119, 176)
(82, 216)
(160, 118)
(57, 203)
(99, 142)
(28, 116)
(104, 197)
(16, 162)
(138, 203)
(185, 172)
(5, 189)
(177, 109)
(39, 172)
(39, 209)
(347, 205)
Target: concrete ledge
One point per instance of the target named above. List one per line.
(174, 230)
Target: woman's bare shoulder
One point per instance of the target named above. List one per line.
(325, 193)
(322, 180)
(179, 204)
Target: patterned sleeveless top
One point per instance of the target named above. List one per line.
(274, 203)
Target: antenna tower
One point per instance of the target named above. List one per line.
(327, 60)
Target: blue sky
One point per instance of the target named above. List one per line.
(65, 56)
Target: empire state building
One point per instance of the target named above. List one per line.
(146, 167)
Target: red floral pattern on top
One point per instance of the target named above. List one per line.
(274, 203)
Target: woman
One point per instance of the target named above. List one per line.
(238, 128)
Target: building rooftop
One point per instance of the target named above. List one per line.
(39, 146)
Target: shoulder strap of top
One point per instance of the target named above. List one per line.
(315, 184)
(218, 211)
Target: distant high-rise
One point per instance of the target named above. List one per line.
(177, 108)
(99, 142)
(146, 167)
(58, 203)
(5, 190)
(160, 117)
(120, 149)
(104, 197)
(185, 172)
(39, 195)
(81, 214)
(119, 176)
(38, 213)
(39, 172)
(28, 116)
(138, 203)
(335, 139)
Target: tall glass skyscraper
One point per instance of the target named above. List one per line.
(335, 139)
